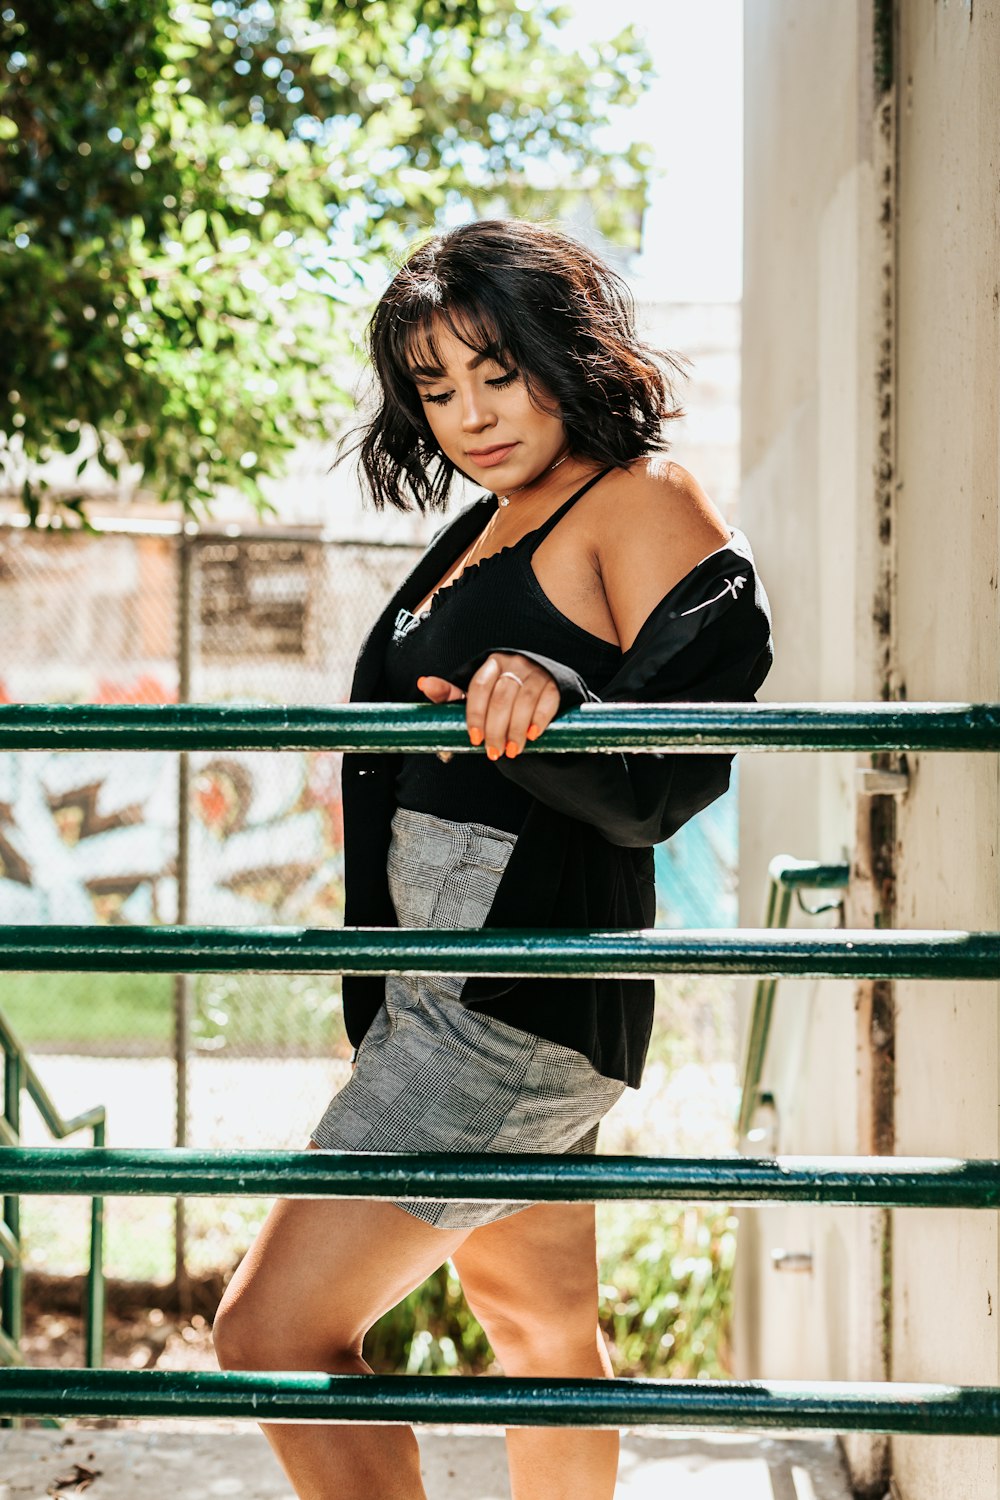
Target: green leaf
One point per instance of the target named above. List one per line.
(193, 227)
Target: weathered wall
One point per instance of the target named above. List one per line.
(945, 1314)
(809, 342)
(869, 490)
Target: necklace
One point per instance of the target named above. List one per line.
(505, 499)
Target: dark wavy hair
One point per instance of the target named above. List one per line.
(529, 295)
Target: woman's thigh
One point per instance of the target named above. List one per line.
(319, 1274)
(532, 1277)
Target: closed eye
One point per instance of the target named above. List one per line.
(503, 380)
(498, 383)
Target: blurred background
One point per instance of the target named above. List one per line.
(200, 203)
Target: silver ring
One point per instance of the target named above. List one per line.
(517, 679)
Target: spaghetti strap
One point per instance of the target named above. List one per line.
(540, 532)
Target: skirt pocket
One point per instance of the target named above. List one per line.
(441, 874)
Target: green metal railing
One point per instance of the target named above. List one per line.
(593, 726)
(841, 1406)
(557, 952)
(786, 876)
(872, 1181)
(20, 1078)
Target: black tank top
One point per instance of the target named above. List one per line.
(495, 602)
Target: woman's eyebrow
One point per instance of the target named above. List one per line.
(426, 372)
(435, 372)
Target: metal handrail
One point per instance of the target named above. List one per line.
(881, 953)
(58, 1126)
(500, 1177)
(786, 875)
(20, 1078)
(713, 727)
(527, 1401)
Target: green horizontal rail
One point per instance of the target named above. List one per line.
(808, 874)
(557, 952)
(838, 1406)
(723, 727)
(876, 1181)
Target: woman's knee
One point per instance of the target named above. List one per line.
(540, 1347)
(251, 1336)
(314, 1281)
(237, 1337)
(559, 1329)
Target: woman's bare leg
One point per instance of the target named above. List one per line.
(531, 1281)
(319, 1274)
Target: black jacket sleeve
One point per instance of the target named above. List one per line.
(640, 798)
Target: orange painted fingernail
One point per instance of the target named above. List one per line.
(512, 749)
(492, 752)
(476, 736)
(533, 731)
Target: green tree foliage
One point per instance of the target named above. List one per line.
(196, 200)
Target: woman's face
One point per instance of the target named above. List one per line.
(481, 415)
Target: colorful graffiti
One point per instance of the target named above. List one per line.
(90, 837)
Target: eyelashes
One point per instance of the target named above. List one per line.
(498, 384)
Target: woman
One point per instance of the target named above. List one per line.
(594, 571)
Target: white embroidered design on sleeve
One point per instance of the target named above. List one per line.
(733, 586)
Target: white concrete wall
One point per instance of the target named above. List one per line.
(945, 1303)
(807, 420)
(870, 434)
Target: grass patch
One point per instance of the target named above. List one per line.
(89, 1008)
(266, 1014)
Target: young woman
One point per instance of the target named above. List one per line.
(594, 570)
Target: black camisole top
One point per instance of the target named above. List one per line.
(495, 602)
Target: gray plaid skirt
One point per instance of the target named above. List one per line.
(432, 1075)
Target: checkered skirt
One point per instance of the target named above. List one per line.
(433, 1075)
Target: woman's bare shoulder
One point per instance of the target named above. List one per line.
(664, 500)
(656, 524)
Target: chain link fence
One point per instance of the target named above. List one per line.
(151, 614)
(156, 836)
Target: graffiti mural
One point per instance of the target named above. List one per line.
(91, 837)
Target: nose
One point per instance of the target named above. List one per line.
(476, 411)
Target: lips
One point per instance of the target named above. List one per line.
(488, 458)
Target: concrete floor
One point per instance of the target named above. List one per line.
(153, 1462)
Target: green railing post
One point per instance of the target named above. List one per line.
(20, 1077)
(785, 875)
(11, 1315)
(12, 1287)
(94, 1352)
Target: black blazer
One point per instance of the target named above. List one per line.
(583, 857)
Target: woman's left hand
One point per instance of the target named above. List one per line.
(500, 709)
